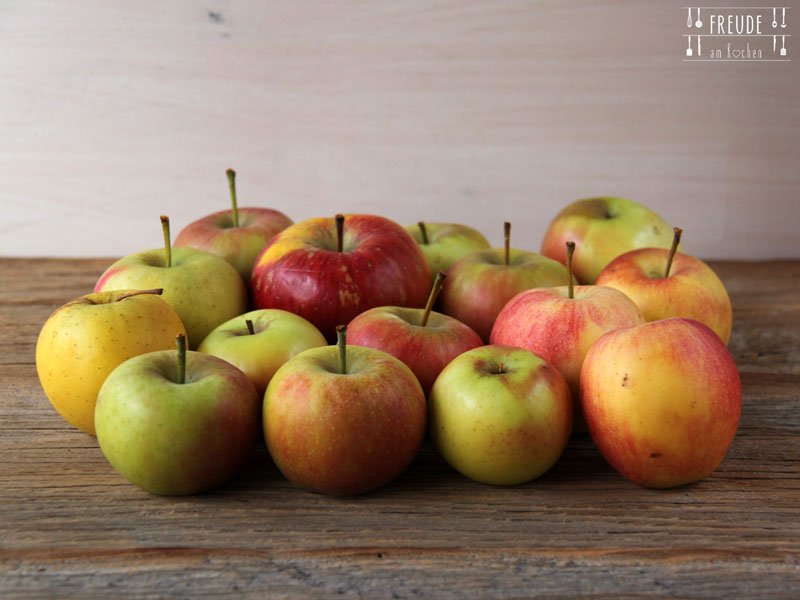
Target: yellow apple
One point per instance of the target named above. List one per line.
(84, 340)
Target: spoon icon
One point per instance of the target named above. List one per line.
(698, 23)
(783, 17)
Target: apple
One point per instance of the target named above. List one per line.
(602, 229)
(500, 415)
(662, 401)
(479, 285)
(259, 342)
(424, 340)
(685, 287)
(237, 235)
(445, 243)
(560, 324)
(328, 271)
(177, 423)
(87, 338)
(205, 290)
(343, 419)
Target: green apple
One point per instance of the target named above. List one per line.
(87, 338)
(205, 290)
(343, 420)
(602, 229)
(177, 423)
(259, 342)
(445, 243)
(665, 284)
(500, 415)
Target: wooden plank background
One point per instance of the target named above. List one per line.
(112, 113)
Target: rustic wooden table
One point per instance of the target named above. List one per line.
(70, 526)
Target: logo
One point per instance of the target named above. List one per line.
(737, 34)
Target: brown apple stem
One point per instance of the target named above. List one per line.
(437, 287)
(571, 285)
(250, 327)
(180, 340)
(167, 244)
(155, 291)
(675, 241)
(339, 232)
(341, 342)
(507, 237)
(232, 185)
(423, 231)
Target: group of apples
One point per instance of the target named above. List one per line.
(518, 358)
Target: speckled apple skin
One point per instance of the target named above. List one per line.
(561, 330)
(343, 434)
(692, 289)
(662, 401)
(301, 271)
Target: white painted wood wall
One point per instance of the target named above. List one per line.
(112, 113)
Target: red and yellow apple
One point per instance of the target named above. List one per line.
(662, 401)
(602, 229)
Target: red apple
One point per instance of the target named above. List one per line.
(329, 275)
(479, 285)
(602, 229)
(237, 235)
(560, 324)
(343, 420)
(662, 401)
(425, 341)
(664, 284)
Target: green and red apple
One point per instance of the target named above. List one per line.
(445, 243)
(87, 338)
(343, 420)
(500, 415)
(238, 235)
(602, 229)
(479, 285)
(662, 401)
(666, 283)
(177, 423)
(205, 290)
(259, 342)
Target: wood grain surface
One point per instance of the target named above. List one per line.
(71, 527)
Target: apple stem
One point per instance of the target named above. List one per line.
(675, 241)
(167, 245)
(500, 369)
(507, 236)
(571, 285)
(341, 342)
(339, 232)
(156, 291)
(250, 327)
(423, 231)
(232, 185)
(180, 340)
(437, 287)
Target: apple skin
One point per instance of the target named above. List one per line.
(500, 428)
(87, 338)
(692, 289)
(425, 350)
(300, 270)
(447, 243)
(602, 229)
(662, 401)
(279, 335)
(205, 290)
(177, 439)
(479, 285)
(562, 330)
(343, 434)
(241, 245)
